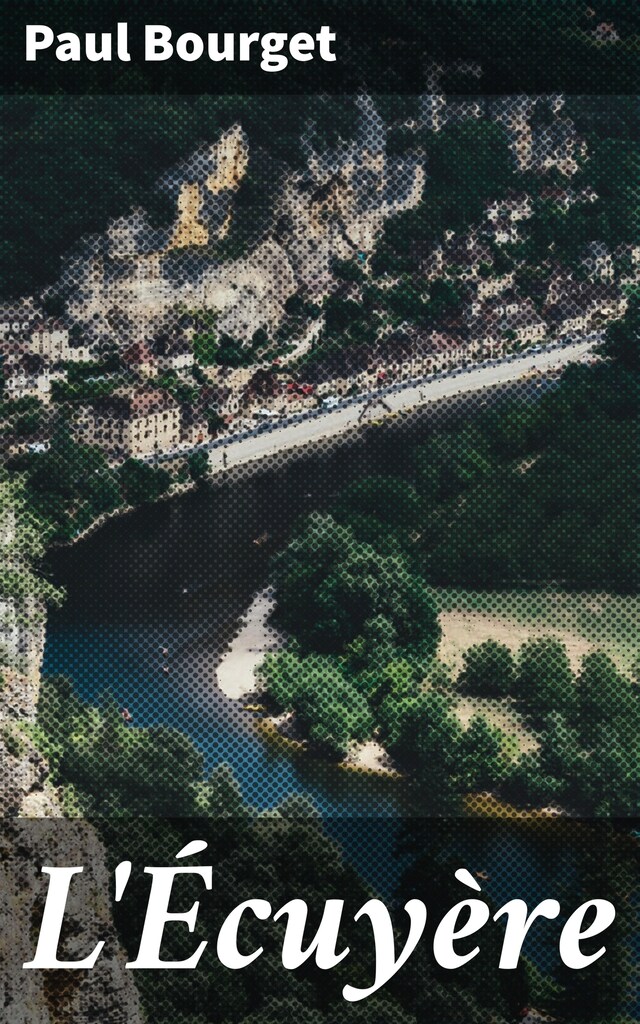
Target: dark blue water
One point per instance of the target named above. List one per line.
(176, 578)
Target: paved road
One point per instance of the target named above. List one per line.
(319, 425)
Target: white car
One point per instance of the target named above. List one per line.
(330, 402)
(265, 414)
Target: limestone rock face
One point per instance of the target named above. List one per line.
(334, 208)
(104, 995)
(190, 228)
(249, 294)
(206, 186)
(230, 159)
(23, 770)
(33, 833)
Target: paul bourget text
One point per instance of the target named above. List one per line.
(274, 49)
(462, 921)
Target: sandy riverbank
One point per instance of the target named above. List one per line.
(236, 679)
(370, 756)
(235, 674)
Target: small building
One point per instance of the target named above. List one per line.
(606, 32)
(26, 374)
(16, 318)
(503, 319)
(139, 359)
(55, 342)
(194, 428)
(141, 423)
(583, 306)
(171, 352)
(514, 207)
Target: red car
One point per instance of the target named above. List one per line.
(295, 388)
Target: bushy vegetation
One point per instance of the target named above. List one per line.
(489, 670)
(543, 492)
(335, 589)
(23, 543)
(468, 164)
(361, 620)
(589, 755)
(110, 768)
(68, 486)
(129, 780)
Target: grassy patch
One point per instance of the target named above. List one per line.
(583, 621)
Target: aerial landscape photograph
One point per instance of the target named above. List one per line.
(319, 521)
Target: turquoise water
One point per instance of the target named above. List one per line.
(176, 577)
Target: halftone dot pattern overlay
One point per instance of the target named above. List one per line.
(319, 521)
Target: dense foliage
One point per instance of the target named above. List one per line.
(468, 164)
(70, 484)
(335, 589)
(539, 492)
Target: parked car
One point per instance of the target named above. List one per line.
(294, 387)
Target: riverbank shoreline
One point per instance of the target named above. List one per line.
(236, 670)
(236, 679)
(176, 491)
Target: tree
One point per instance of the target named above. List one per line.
(220, 796)
(143, 483)
(544, 680)
(231, 352)
(482, 759)
(622, 341)
(283, 675)
(379, 508)
(444, 299)
(328, 706)
(605, 697)
(198, 465)
(424, 736)
(469, 164)
(330, 587)
(215, 421)
(489, 670)
(70, 484)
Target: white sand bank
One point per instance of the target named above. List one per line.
(370, 756)
(235, 673)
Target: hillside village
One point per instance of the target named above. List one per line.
(162, 343)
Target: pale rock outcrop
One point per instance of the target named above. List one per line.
(105, 994)
(130, 284)
(33, 833)
(207, 184)
(249, 294)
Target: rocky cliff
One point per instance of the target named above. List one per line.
(135, 279)
(34, 832)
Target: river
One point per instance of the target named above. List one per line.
(178, 576)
